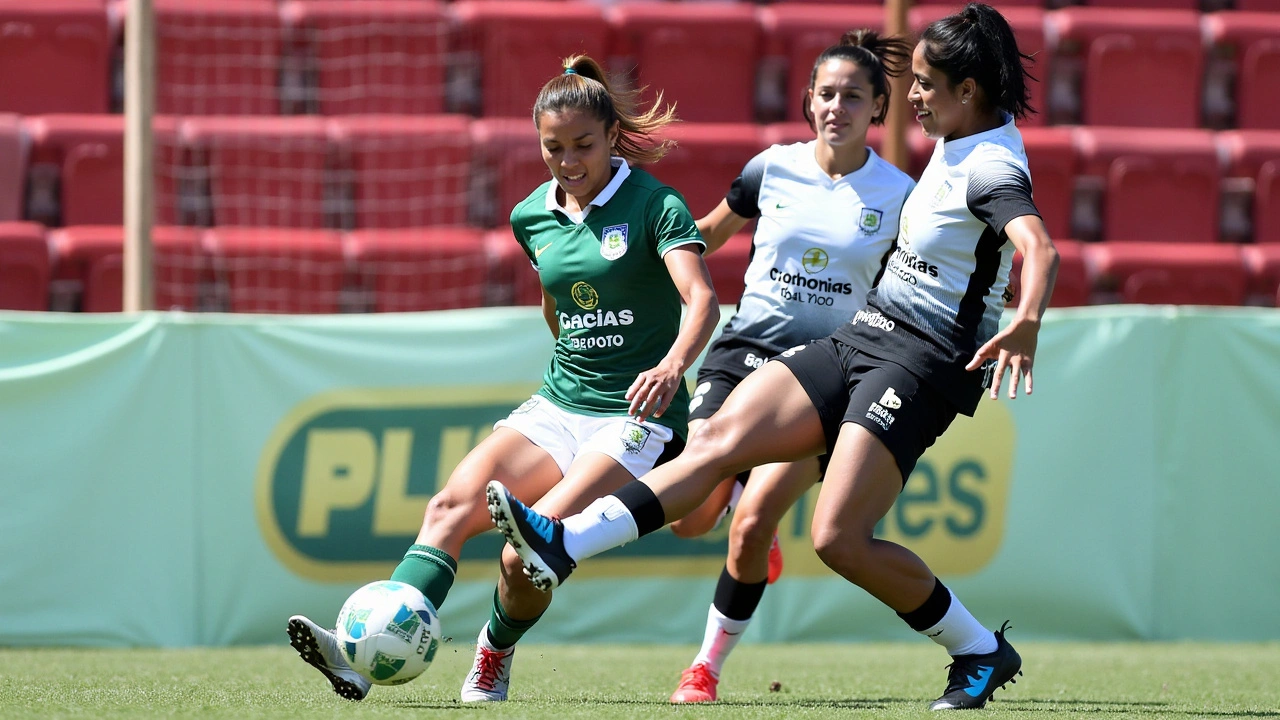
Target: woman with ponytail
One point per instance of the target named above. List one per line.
(617, 253)
(827, 214)
(881, 389)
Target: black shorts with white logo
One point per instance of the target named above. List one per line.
(847, 385)
(730, 359)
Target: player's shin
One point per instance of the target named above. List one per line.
(429, 569)
(631, 513)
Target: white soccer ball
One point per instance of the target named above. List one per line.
(389, 632)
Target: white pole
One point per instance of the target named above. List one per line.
(139, 177)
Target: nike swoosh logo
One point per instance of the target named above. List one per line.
(978, 684)
(779, 206)
(537, 252)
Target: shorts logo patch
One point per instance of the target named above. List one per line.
(634, 437)
(890, 400)
(792, 351)
(881, 416)
(870, 221)
(702, 389)
(814, 260)
(613, 242)
(585, 296)
(526, 406)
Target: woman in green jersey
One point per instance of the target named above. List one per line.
(617, 252)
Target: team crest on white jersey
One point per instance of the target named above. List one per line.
(613, 242)
(943, 191)
(870, 221)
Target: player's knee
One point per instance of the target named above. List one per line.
(686, 528)
(714, 443)
(750, 533)
(450, 507)
(512, 566)
(843, 551)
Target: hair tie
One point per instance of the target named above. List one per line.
(570, 71)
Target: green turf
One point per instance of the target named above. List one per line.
(605, 682)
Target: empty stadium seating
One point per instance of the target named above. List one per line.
(263, 172)
(701, 56)
(1263, 265)
(1254, 157)
(13, 167)
(706, 160)
(421, 269)
(404, 171)
(1177, 273)
(728, 266)
(538, 34)
(92, 257)
(1160, 185)
(217, 57)
(55, 56)
(513, 278)
(1133, 67)
(508, 167)
(280, 270)
(372, 56)
(1250, 44)
(24, 267)
(1073, 286)
(1051, 158)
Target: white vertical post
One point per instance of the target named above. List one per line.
(139, 176)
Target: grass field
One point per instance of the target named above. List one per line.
(612, 681)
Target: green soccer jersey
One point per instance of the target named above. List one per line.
(618, 308)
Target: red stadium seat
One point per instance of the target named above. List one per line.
(24, 267)
(1160, 185)
(1146, 4)
(1072, 287)
(728, 268)
(795, 35)
(278, 270)
(701, 56)
(1254, 157)
(518, 46)
(55, 57)
(421, 269)
(513, 278)
(93, 257)
(264, 172)
(1263, 264)
(1140, 68)
(706, 160)
(1051, 158)
(1258, 5)
(373, 56)
(88, 154)
(1250, 41)
(218, 57)
(1028, 25)
(509, 166)
(1171, 273)
(13, 167)
(405, 171)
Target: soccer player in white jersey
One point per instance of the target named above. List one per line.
(828, 217)
(881, 389)
(617, 252)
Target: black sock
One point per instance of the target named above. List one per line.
(932, 611)
(737, 600)
(644, 506)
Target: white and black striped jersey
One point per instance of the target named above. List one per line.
(942, 292)
(819, 245)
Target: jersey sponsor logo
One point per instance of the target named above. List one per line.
(874, 319)
(890, 399)
(585, 296)
(597, 319)
(814, 260)
(537, 252)
(634, 437)
(820, 284)
(905, 264)
(613, 242)
(870, 221)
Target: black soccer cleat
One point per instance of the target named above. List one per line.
(537, 539)
(973, 679)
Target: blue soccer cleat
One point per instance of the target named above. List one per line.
(973, 679)
(537, 539)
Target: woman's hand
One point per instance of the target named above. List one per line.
(653, 390)
(1013, 348)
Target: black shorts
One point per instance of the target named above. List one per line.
(848, 385)
(730, 359)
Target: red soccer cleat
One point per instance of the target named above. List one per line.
(697, 685)
(775, 560)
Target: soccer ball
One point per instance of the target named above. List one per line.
(389, 632)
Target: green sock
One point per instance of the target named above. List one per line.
(503, 631)
(429, 569)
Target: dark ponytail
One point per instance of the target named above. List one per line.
(978, 43)
(584, 86)
(880, 56)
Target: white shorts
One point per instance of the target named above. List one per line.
(565, 435)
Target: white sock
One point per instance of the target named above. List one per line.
(960, 632)
(603, 525)
(721, 636)
(734, 497)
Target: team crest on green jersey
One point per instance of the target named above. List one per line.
(634, 437)
(613, 242)
(585, 296)
(870, 220)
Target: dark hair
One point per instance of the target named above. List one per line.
(879, 56)
(584, 86)
(978, 43)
